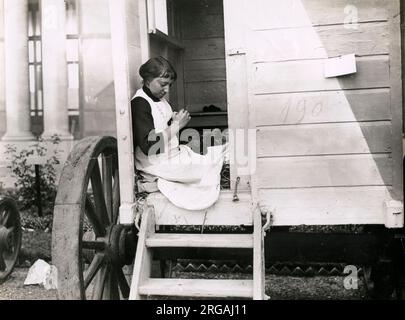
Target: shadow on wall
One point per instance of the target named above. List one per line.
(353, 109)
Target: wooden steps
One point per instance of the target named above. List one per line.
(184, 240)
(198, 288)
(143, 285)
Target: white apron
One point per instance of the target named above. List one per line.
(189, 180)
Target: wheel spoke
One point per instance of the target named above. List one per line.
(93, 245)
(98, 192)
(123, 284)
(93, 269)
(6, 217)
(115, 294)
(100, 283)
(91, 214)
(107, 183)
(3, 265)
(111, 289)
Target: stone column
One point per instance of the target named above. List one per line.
(16, 71)
(54, 69)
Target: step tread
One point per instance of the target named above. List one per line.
(198, 288)
(225, 211)
(184, 240)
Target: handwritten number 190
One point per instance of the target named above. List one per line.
(300, 110)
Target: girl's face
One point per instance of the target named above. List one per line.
(159, 87)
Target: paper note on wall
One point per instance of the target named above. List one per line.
(340, 66)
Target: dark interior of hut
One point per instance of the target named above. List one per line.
(195, 45)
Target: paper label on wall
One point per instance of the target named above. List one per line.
(340, 66)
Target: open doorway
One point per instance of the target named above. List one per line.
(193, 40)
(195, 45)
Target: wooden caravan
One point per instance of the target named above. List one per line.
(312, 88)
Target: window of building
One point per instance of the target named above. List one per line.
(35, 67)
(72, 56)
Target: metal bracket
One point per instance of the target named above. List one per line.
(137, 219)
(267, 217)
(140, 206)
(235, 194)
(236, 51)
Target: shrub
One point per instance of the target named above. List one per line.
(25, 174)
(30, 220)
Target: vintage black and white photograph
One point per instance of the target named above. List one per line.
(202, 150)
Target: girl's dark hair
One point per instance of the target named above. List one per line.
(157, 67)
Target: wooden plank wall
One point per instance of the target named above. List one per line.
(324, 146)
(202, 29)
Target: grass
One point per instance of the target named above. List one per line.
(35, 245)
(36, 237)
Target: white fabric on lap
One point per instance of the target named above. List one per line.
(196, 195)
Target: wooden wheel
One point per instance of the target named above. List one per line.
(10, 236)
(89, 248)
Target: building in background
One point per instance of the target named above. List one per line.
(55, 73)
(63, 58)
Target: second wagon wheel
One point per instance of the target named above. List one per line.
(89, 247)
(10, 236)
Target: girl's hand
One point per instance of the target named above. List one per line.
(182, 118)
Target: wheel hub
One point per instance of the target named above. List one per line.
(121, 244)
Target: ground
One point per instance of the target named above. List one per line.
(278, 287)
(14, 289)
(37, 244)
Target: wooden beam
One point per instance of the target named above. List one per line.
(325, 171)
(223, 212)
(326, 206)
(292, 247)
(320, 42)
(236, 75)
(396, 99)
(130, 48)
(317, 13)
(320, 139)
(323, 107)
(258, 257)
(143, 258)
(169, 240)
(308, 75)
(198, 288)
